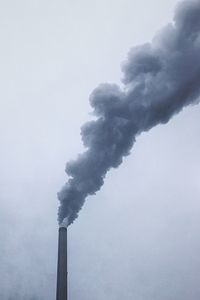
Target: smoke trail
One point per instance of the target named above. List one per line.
(159, 80)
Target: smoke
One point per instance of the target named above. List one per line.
(160, 79)
(64, 223)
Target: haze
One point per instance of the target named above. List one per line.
(146, 244)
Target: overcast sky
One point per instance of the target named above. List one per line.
(138, 238)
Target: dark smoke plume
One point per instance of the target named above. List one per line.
(159, 80)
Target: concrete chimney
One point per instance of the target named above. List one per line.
(61, 293)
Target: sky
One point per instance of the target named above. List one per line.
(138, 238)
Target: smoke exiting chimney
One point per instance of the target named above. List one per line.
(61, 293)
(160, 79)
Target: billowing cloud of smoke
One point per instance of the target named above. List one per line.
(159, 80)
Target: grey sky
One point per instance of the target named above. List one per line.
(145, 244)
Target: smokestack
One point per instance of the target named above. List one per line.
(61, 293)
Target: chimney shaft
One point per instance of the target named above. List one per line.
(61, 293)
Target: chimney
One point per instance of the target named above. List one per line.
(61, 293)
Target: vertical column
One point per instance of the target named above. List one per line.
(61, 293)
